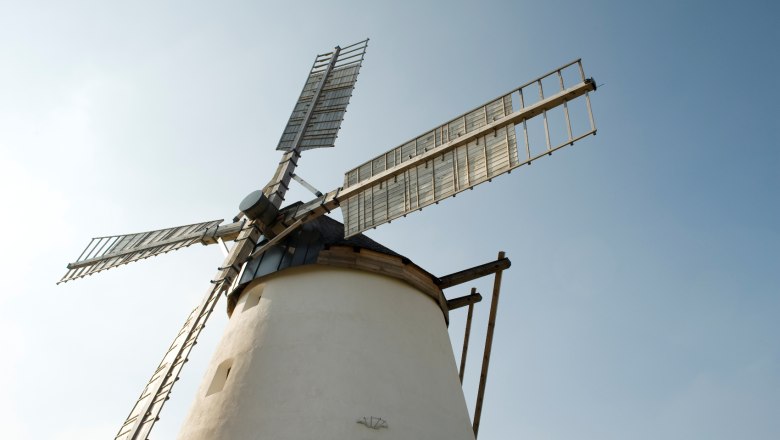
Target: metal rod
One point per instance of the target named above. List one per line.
(387, 196)
(508, 147)
(407, 192)
(455, 170)
(565, 106)
(306, 185)
(96, 252)
(590, 113)
(340, 58)
(361, 198)
(525, 126)
(85, 249)
(466, 337)
(355, 44)
(373, 203)
(417, 184)
(485, 152)
(468, 167)
(488, 345)
(433, 177)
(544, 116)
(223, 247)
(387, 191)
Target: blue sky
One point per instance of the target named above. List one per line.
(644, 293)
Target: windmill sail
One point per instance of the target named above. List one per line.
(147, 408)
(104, 253)
(462, 153)
(316, 117)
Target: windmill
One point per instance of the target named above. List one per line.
(324, 320)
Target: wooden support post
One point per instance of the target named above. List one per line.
(466, 337)
(488, 345)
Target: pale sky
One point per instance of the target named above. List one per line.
(643, 299)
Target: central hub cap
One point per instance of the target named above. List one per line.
(256, 206)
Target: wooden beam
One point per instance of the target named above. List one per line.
(464, 301)
(488, 346)
(468, 332)
(227, 232)
(464, 276)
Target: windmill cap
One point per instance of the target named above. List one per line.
(321, 242)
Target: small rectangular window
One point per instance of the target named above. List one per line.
(220, 377)
(253, 297)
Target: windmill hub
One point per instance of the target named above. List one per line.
(257, 206)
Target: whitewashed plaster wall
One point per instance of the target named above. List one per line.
(312, 350)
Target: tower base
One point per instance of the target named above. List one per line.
(323, 352)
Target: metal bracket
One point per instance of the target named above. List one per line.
(306, 184)
(223, 246)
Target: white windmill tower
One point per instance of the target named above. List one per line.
(332, 335)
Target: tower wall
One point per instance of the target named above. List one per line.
(310, 351)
